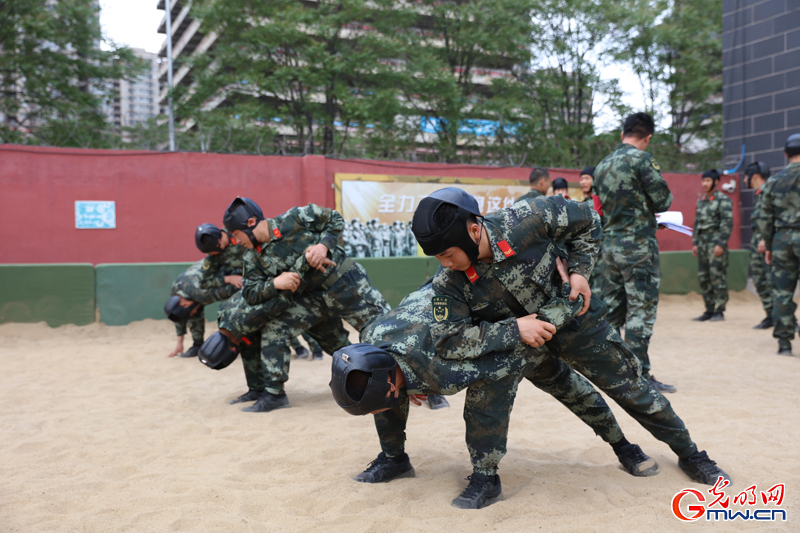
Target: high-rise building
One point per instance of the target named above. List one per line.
(136, 101)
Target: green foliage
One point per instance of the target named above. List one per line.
(53, 75)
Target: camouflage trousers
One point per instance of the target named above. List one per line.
(197, 326)
(313, 345)
(632, 282)
(785, 270)
(762, 278)
(596, 350)
(712, 272)
(488, 405)
(320, 313)
(598, 281)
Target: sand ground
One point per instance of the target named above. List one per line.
(101, 432)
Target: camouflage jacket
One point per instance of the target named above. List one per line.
(405, 333)
(755, 215)
(713, 221)
(780, 207)
(631, 191)
(291, 233)
(228, 263)
(526, 238)
(530, 195)
(188, 286)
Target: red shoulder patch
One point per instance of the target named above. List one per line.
(258, 248)
(506, 248)
(472, 275)
(277, 233)
(711, 199)
(758, 192)
(246, 341)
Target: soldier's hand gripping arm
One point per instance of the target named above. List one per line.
(258, 288)
(328, 226)
(655, 188)
(577, 225)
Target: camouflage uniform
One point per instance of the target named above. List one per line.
(230, 262)
(631, 190)
(268, 317)
(759, 269)
(491, 380)
(780, 229)
(525, 242)
(530, 195)
(188, 286)
(713, 224)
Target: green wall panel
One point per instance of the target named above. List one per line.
(679, 272)
(396, 277)
(57, 294)
(135, 291)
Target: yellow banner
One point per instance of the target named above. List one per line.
(378, 207)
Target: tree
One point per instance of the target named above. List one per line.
(311, 68)
(675, 48)
(53, 74)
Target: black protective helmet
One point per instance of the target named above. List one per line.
(218, 351)
(758, 167)
(453, 235)
(370, 360)
(237, 215)
(176, 312)
(792, 146)
(713, 174)
(206, 237)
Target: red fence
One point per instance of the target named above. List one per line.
(161, 198)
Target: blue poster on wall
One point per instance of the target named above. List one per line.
(95, 215)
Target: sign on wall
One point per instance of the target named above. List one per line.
(95, 215)
(378, 208)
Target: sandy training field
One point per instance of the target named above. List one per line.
(101, 432)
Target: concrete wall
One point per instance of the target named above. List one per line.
(162, 197)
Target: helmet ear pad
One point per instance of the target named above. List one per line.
(435, 240)
(218, 351)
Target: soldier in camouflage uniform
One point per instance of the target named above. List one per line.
(296, 279)
(540, 183)
(598, 279)
(499, 272)
(756, 176)
(224, 265)
(187, 288)
(491, 382)
(631, 191)
(780, 230)
(713, 224)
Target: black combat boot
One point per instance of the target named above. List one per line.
(317, 356)
(268, 402)
(437, 401)
(661, 387)
(301, 352)
(481, 492)
(784, 348)
(705, 316)
(249, 396)
(636, 462)
(765, 324)
(191, 352)
(701, 469)
(385, 469)
(718, 316)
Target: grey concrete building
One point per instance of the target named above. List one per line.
(761, 84)
(136, 101)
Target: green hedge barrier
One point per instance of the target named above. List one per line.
(66, 293)
(679, 272)
(135, 291)
(57, 294)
